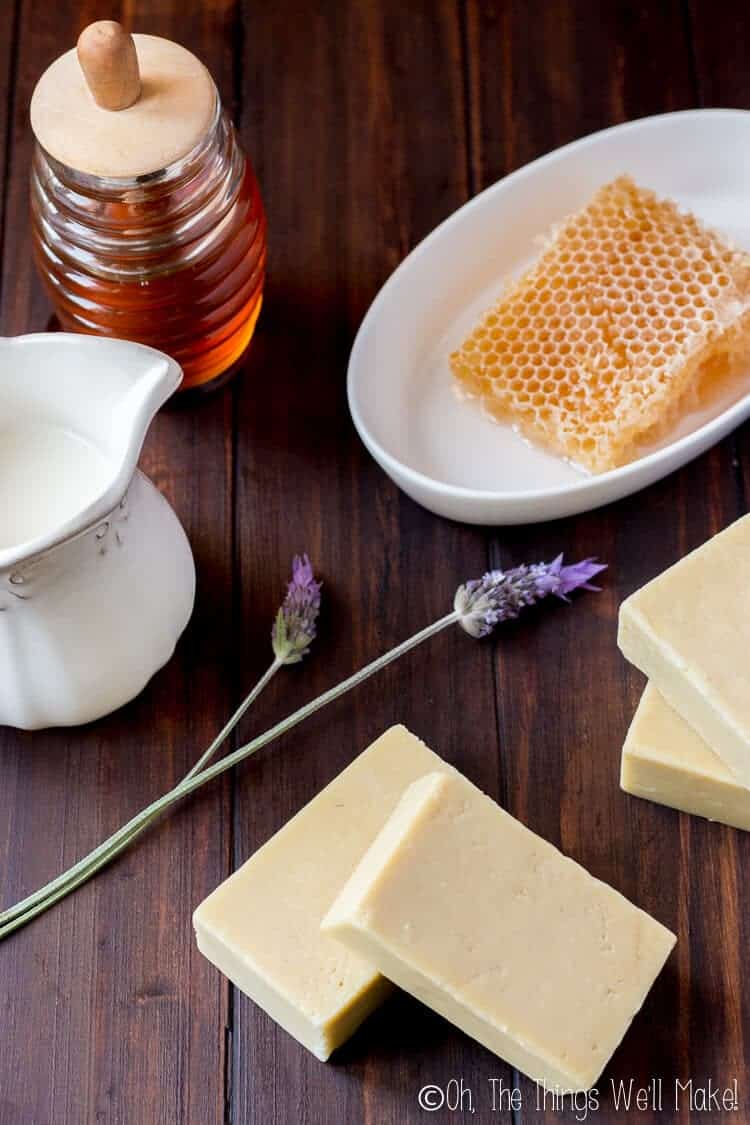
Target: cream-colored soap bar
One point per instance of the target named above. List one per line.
(689, 631)
(664, 760)
(475, 915)
(261, 927)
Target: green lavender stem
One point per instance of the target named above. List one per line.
(52, 891)
(24, 911)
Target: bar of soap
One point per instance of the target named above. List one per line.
(664, 760)
(261, 927)
(468, 910)
(689, 631)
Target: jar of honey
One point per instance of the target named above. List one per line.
(147, 221)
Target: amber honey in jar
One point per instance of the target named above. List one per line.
(147, 221)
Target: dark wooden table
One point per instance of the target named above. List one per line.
(368, 123)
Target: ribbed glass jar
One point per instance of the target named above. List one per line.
(175, 259)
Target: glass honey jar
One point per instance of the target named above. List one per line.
(147, 221)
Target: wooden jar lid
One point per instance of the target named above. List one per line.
(120, 105)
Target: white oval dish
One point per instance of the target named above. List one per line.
(442, 451)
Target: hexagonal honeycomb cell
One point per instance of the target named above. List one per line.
(634, 313)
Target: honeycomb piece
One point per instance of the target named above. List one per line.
(634, 313)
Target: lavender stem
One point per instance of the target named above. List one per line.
(20, 914)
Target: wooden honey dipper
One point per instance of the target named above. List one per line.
(121, 105)
(109, 62)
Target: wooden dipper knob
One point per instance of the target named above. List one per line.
(73, 102)
(109, 62)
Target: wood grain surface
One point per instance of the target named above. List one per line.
(368, 123)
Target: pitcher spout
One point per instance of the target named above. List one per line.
(75, 413)
(149, 378)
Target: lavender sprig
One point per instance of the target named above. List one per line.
(500, 595)
(295, 625)
(479, 605)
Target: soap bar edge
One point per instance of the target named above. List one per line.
(641, 647)
(649, 774)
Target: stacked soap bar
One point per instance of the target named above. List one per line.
(495, 929)
(401, 871)
(689, 631)
(261, 926)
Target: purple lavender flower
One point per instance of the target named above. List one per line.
(294, 628)
(500, 595)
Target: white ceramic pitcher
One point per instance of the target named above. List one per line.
(92, 603)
